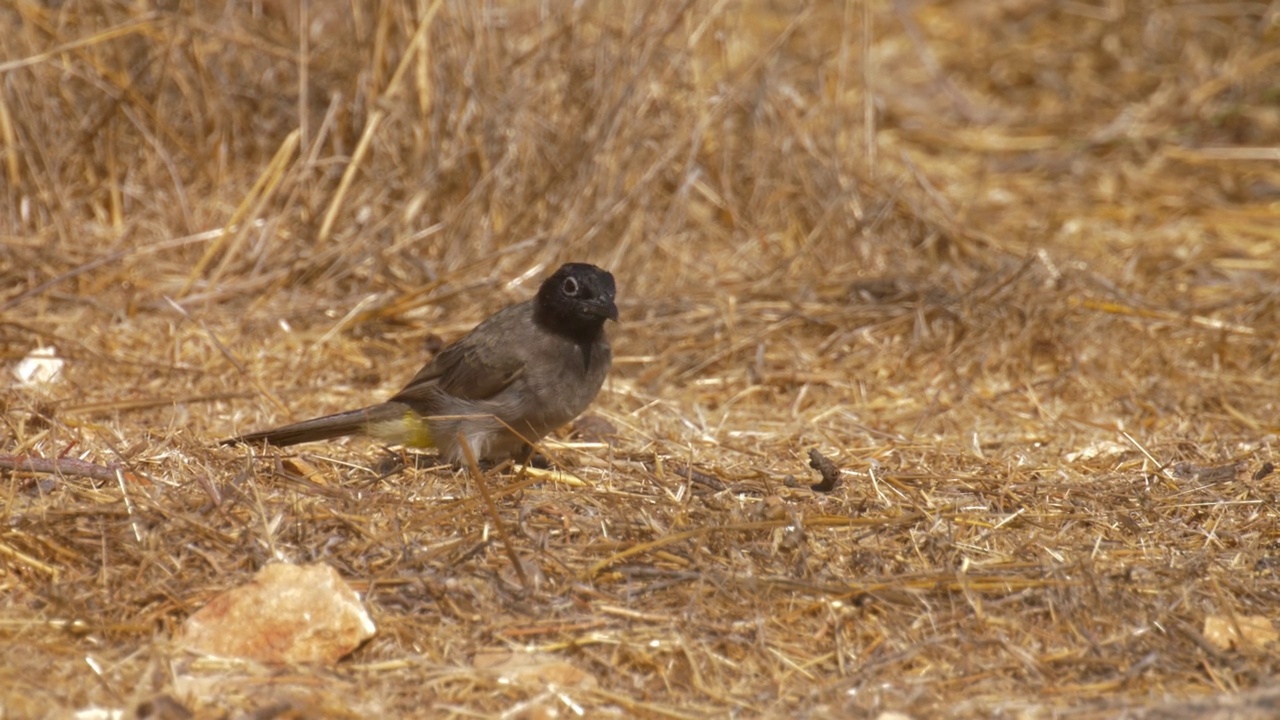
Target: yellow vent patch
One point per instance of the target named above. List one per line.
(410, 430)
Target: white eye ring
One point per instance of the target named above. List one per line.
(571, 287)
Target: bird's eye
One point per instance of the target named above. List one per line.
(571, 287)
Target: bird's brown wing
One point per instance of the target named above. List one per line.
(479, 365)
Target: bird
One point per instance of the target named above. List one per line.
(521, 373)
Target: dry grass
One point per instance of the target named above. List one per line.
(1035, 320)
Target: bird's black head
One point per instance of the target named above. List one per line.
(577, 299)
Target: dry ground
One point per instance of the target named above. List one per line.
(1012, 265)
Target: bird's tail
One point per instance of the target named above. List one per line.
(369, 420)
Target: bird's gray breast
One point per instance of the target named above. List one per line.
(558, 391)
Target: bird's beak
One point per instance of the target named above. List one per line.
(605, 308)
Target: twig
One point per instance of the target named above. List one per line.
(688, 472)
(492, 509)
(829, 470)
(66, 466)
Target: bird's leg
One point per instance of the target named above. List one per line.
(528, 457)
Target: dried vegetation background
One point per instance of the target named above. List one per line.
(1011, 265)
